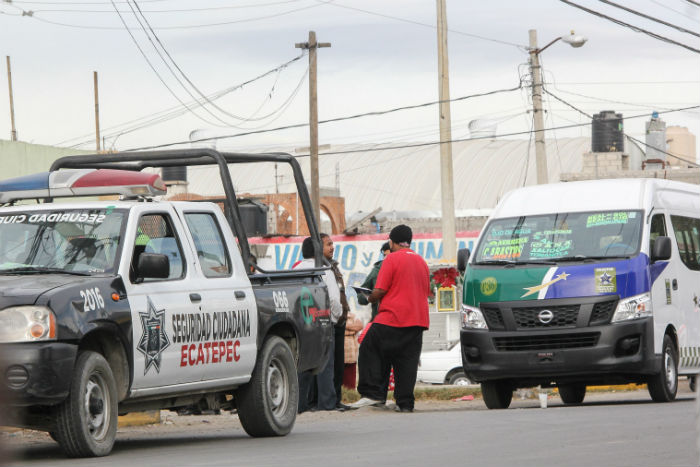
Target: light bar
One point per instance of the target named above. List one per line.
(81, 182)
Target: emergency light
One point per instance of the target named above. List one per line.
(81, 182)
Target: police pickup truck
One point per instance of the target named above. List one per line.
(113, 306)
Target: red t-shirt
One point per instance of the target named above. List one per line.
(406, 278)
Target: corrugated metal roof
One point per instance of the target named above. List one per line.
(409, 178)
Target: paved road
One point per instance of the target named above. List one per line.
(620, 429)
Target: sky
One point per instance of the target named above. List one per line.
(383, 55)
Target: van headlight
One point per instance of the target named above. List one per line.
(27, 324)
(473, 318)
(635, 307)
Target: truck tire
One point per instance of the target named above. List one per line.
(267, 405)
(497, 394)
(86, 422)
(572, 393)
(664, 385)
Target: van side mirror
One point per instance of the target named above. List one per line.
(462, 259)
(661, 249)
(153, 266)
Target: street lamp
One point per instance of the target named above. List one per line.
(574, 40)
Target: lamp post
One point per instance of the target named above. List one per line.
(573, 40)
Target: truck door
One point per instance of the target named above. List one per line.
(157, 303)
(226, 299)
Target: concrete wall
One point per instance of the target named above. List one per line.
(18, 158)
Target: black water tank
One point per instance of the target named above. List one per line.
(253, 216)
(608, 135)
(174, 174)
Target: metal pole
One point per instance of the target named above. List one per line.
(449, 240)
(311, 46)
(97, 113)
(12, 102)
(536, 72)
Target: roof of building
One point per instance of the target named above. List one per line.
(408, 178)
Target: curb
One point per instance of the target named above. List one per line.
(150, 417)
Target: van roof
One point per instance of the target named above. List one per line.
(592, 195)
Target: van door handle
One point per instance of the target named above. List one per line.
(675, 284)
(195, 297)
(239, 294)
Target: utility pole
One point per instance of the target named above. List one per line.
(311, 46)
(12, 103)
(537, 114)
(97, 113)
(449, 235)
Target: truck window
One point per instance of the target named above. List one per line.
(155, 234)
(211, 252)
(687, 230)
(658, 229)
(77, 240)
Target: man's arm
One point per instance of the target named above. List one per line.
(376, 295)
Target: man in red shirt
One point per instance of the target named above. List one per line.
(396, 335)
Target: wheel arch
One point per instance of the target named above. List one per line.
(105, 340)
(452, 372)
(671, 332)
(286, 331)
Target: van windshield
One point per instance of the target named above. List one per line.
(561, 237)
(77, 241)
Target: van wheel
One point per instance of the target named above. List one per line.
(572, 393)
(86, 422)
(496, 394)
(458, 378)
(663, 386)
(267, 405)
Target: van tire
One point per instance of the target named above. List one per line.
(497, 394)
(267, 404)
(664, 385)
(86, 422)
(572, 393)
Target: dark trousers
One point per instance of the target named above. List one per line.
(339, 362)
(382, 348)
(322, 382)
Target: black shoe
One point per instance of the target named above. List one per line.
(403, 409)
(340, 407)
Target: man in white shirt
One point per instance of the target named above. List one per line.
(324, 379)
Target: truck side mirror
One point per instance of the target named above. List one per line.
(153, 266)
(661, 249)
(462, 259)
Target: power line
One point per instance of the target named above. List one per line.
(693, 2)
(414, 145)
(153, 68)
(174, 112)
(190, 26)
(635, 12)
(337, 119)
(432, 26)
(180, 10)
(662, 5)
(632, 27)
(628, 136)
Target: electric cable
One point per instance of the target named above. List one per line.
(651, 18)
(630, 26)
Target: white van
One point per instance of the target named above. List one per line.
(585, 283)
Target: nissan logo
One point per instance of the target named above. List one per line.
(545, 316)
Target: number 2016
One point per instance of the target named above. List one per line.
(92, 299)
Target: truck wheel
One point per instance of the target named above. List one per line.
(496, 394)
(572, 393)
(267, 405)
(459, 379)
(663, 386)
(86, 422)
